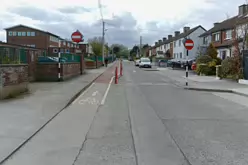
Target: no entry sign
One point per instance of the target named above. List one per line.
(77, 36)
(189, 44)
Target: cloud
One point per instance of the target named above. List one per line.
(125, 20)
(75, 10)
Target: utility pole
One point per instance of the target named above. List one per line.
(103, 33)
(140, 46)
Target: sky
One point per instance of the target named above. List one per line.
(125, 20)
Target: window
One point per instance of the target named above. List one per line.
(23, 33)
(181, 55)
(68, 44)
(10, 33)
(228, 34)
(32, 33)
(19, 33)
(180, 42)
(216, 37)
(14, 33)
(205, 40)
(175, 44)
(28, 34)
(64, 43)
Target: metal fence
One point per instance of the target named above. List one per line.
(64, 57)
(12, 55)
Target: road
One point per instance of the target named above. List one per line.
(146, 119)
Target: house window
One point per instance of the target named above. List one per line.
(205, 40)
(10, 33)
(216, 37)
(228, 34)
(175, 44)
(174, 55)
(14, 33)
(32, 33)
(64, 43)
(181, 55)
(23, 33)
(68, 44)
(180, 42)
(19, 33)
(28, 34)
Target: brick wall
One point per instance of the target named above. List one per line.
(90, 64)
(49, 71)
(69, 70)
(13, 79)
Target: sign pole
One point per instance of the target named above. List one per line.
(187, 67)
(188, 44)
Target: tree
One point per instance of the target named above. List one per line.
(212, 51)
(96, 44)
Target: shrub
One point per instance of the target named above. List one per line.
(203, 69)
(204, 59)
(218, 61)
(212, 51)
(230, 68)
(227, 66)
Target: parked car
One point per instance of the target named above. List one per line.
(162, 63)
(145, 63)
(136, 62)
(174, 63)
(184, 63)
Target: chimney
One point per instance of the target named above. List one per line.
(156, 43)
(216, 23)
(164, 39)
(160, 41)
(242, 9)
(185, 29)
(177, 33)
(169, 37)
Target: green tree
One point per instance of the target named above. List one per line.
(96, 44)
(212, 51)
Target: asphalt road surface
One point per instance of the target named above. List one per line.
(176, 126)
(144, 120)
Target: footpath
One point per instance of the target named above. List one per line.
(204, 83)
(21, 118)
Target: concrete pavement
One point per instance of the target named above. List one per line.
(204, 83)
(22, 117)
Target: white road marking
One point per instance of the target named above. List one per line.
(76, 100)
(95, 93)
(106, 93)
(134, 71)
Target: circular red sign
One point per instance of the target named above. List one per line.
(77, 36)
(189, 44)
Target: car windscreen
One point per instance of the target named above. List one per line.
(145, 60)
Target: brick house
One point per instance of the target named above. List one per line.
(223, 34)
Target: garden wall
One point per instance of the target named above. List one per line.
(13, 79)
(49, 71)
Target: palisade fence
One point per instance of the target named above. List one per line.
(12, 55)
(64, 57)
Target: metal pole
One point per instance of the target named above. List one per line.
(187, 67)
(140, 45)
(59, 64)
(103, 33)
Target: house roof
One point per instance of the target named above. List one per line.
(181, 35)
(20, 25)
(227, 24)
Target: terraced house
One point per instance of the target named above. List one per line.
(223, 34)
(173, 47)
